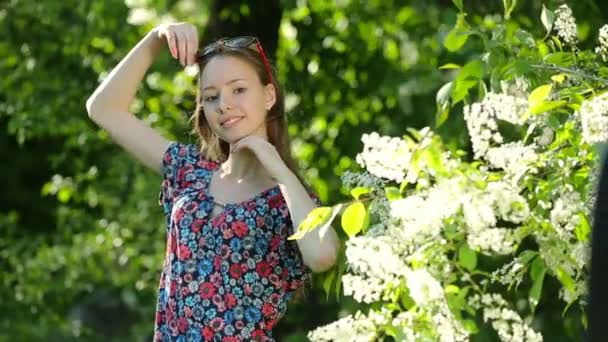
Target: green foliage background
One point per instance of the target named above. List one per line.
(81, 232)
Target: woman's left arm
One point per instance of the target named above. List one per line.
(319, 248)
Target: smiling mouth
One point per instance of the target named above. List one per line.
(231, 122)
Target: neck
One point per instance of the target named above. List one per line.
(243, 165)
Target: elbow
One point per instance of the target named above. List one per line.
(90, 106)
(323, 261)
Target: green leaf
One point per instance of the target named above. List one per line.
(462, 90)
(563, 59)
(64, 194)
(458, 4)
(467, 257)
(443, 104)
(328, 281)
(449, 66)
(317, 218)
(458, 35)
(359, 191)
(539, 94)
(392, 193)
(583, 228)
(470, 326)
(565, 278)
(467, 78)
(547, 18)
(455, 39)
(547, 106)
(354, 219)
(538, 270)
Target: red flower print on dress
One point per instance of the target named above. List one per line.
(206, 290)
(275, 242)
(263, 269)
(258, 335)
(183, 252)
(207, 333)
(197, 225)
(230, 300)
(240, 228)
(268, 309)
(236, 271)
(230, 339)
(182, 324)
(275, 201)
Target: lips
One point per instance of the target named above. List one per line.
(227, 122)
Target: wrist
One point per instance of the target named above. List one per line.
(154, 40)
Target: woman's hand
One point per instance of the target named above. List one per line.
(266, 153)
(182, 40)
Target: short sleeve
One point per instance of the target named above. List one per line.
(173, 161)
(298, 272)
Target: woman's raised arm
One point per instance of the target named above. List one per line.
(108, 106)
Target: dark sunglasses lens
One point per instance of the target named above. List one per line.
(240, 42)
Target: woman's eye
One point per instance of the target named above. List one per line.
(240, 90)
(210, 98)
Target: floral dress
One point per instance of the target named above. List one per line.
(225, 278)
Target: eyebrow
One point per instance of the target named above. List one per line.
(231, 81)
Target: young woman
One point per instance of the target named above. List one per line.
(231, 202)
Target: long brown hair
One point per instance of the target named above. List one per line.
(216, 149)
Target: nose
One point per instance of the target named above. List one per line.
(225, 103)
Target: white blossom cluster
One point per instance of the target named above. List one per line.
(594, 117)
(423, 287)
(482, 127)
(446, 328)
(562, 256)
(602, 49)
(509, 274)
(508, 108)
(515, 158)
(481, 118)
(565, 24)
(372, 267)
(508, 324)
(564, 215)
(417, 217)
(494, 241)
(352, 328)
(385, 157)
(481, 208)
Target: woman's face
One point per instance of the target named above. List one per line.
(230, 88)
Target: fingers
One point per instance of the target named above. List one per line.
(182, 41)
(172, 43)
(181, 47)
(193, 39)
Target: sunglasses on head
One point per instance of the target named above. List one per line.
(243, 42)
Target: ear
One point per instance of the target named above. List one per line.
(270, 95)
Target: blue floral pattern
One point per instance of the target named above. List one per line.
(225, 278)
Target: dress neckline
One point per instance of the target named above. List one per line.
(229, 205)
